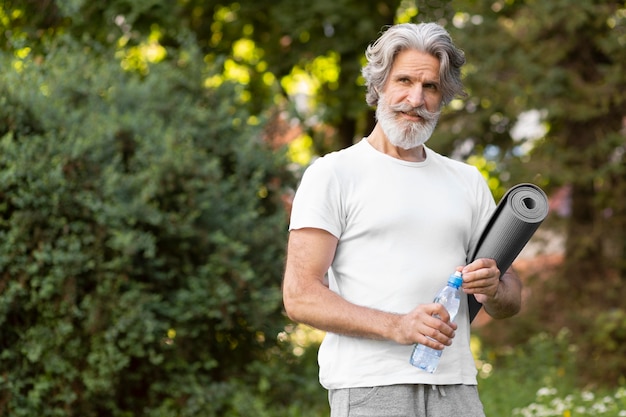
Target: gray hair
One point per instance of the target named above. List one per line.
(425, 37)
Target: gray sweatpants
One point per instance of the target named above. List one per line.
(406, 401)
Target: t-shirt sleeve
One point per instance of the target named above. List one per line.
(317, 202)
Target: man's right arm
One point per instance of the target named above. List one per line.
(308, 299)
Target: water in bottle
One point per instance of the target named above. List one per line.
(427, 358)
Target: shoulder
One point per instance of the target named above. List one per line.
(338, 160)
(458, 167)
(471, 181)
(352, 152)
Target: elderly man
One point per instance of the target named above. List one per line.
(375, 231)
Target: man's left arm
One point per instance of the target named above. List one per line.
(501, 296)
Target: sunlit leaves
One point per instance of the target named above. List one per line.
(406, 11)
(222, 16)
(300, 150)
(299, 82)
(7, 15)
(20, 58)
(301, 337)
(488, 169)
(246, 51)
(10, 18)
(326, 69)
(323, 70)
(236, 72)
(138, 58)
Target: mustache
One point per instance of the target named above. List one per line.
(416, 111)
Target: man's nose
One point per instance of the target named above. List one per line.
(415, 97)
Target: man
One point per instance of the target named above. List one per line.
(375, 231)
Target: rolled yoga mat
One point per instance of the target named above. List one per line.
(516, 218)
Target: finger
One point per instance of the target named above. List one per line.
(488, 287)
(440, 312)
(439, 330)
(480, 263)
(481, 284)
(481, 277)
(431, 326)
(437, 339)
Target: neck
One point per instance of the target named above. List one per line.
(379, 141)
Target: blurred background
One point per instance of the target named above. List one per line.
(149, 151)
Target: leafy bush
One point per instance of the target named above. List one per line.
(509, 379)
(542, 378)
(141, 243)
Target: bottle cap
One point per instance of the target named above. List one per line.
(456, 279)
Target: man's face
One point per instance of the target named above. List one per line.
(409, 106)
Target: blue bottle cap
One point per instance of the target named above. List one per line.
(456, 279)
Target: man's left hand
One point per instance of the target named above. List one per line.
(481, 278)
(500, 295)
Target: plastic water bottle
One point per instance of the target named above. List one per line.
(427, 358)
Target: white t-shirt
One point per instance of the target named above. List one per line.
(402, 227)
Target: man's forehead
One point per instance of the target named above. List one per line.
(411, 60)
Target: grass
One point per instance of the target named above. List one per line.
(539, 379)
(549, 402)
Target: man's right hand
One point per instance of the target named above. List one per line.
(428, 324)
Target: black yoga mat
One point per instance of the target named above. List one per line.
(516, 218)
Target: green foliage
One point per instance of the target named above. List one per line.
(608, 345)
(290, 33)
(141, 229)
(539, 378)
(141, 243)
(552, 402)
(563, 61)
(514, 375)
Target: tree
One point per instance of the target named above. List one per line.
(565, 61)
(141, 242)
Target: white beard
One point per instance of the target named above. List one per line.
(402, 133)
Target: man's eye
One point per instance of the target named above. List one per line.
(431, 86)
